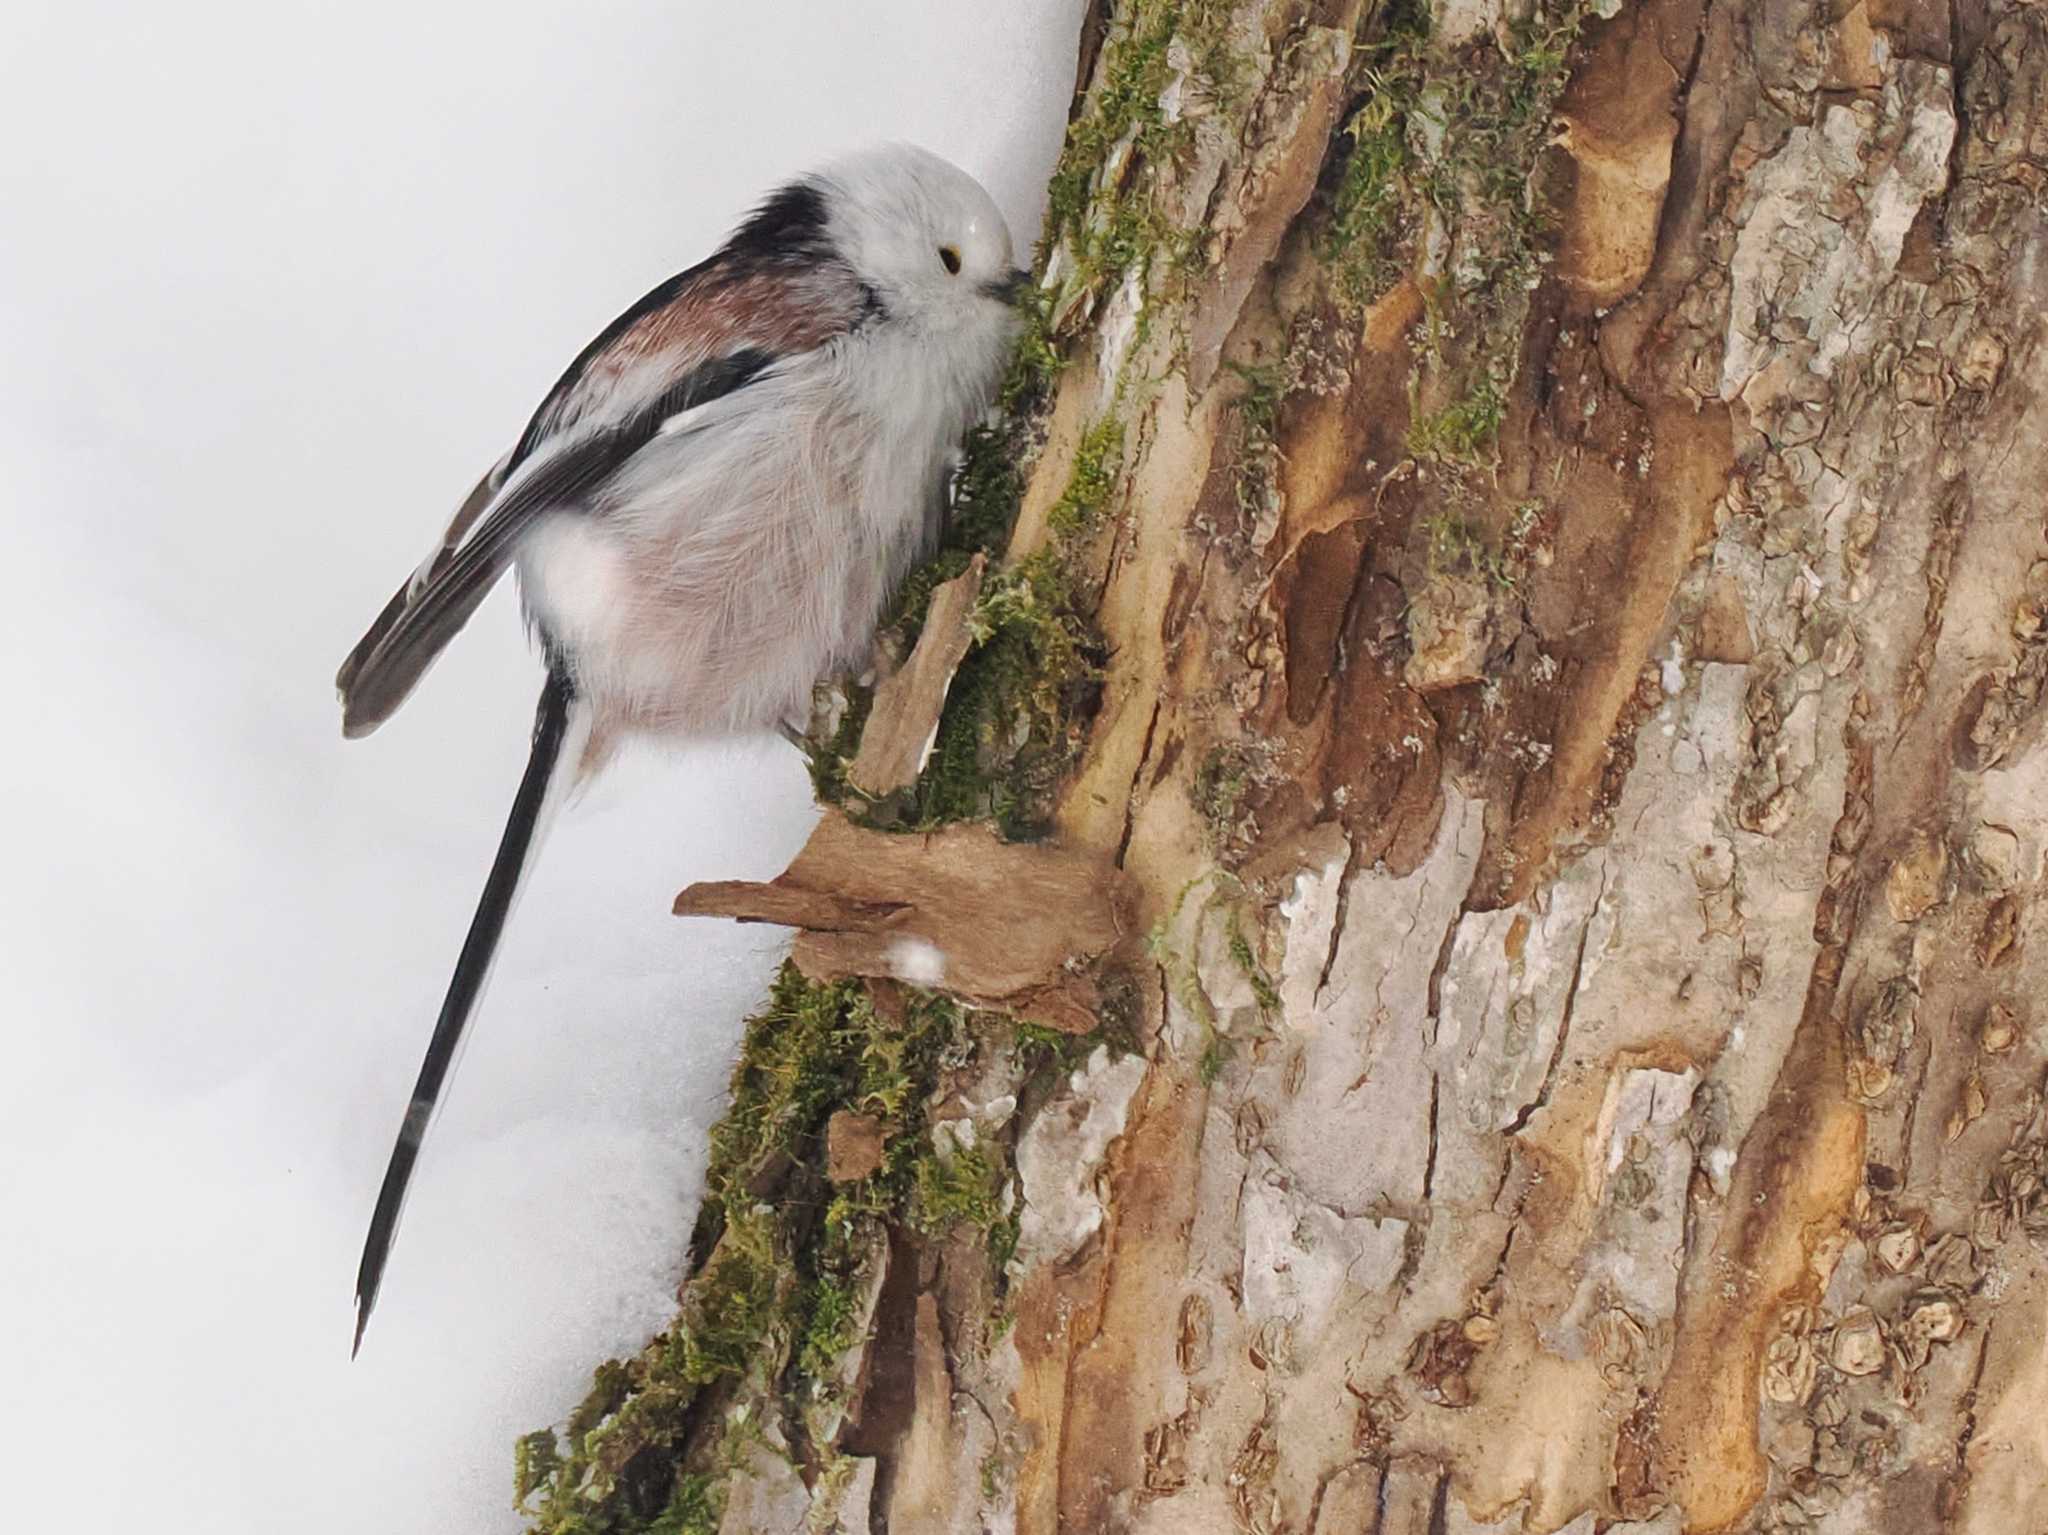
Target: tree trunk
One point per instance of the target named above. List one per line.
(1525, 630)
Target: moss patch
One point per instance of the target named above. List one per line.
(1021, 699)
(1099, 204)
(1223, 783)
(1020, 702)
(695, 1509)
(1375, 198)
(1456, 546)
(783, 1258)
(954, 1189)
(1263, 989)
(1439, 176)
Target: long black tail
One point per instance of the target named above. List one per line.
(546, 773)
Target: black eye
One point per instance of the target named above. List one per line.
(949, 257)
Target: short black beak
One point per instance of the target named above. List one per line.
(1009, 288)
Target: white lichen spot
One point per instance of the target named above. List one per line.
(1720, 1163)
(1118, 328)
(1672, 672)
(1062, 1150)
(917, 962)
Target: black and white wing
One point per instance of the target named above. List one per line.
(775, 290)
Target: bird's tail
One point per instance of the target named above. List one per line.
(561, 729)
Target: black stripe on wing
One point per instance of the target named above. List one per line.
(387, 674)
(787, 232)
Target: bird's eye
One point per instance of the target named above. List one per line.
(949, 257)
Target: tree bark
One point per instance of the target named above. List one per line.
(1562, 543)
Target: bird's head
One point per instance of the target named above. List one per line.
(929, 242)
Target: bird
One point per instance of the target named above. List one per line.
(709, 510)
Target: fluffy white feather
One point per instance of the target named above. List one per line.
(748, 549)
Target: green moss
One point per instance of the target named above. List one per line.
(964, 1187)
(535, 1458)
(1096, 462)
(780, 1254)
(1457, 547)
(989, 484)
(1035, 364)
(1221, 784)
(1377, 192)
(794, 1066)
(1135, 74)
(1452, 139)
(1367, 231)
(1004, 1232)
(1216, 1051)
(1266, 388)
(734, 1307)
(1106, 214)
(1465, 430)
(1020, 700)
(832, 1326)
(1263, 989)
(1051, 1050)
(1456, 130)
(695, 1509)
(960, 1188)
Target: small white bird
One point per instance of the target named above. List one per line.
(711, 507)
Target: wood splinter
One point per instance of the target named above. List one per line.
(1003, 925)
(905, 719)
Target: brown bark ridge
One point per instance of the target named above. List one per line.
(1572, 593)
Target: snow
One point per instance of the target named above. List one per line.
(279, 282)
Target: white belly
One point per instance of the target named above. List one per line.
(730, 568)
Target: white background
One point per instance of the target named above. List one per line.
(277, 281)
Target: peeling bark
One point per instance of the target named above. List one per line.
(999, 925)
(898, 739)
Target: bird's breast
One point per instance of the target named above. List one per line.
(724, 572)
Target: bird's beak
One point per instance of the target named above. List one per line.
(1008, 288)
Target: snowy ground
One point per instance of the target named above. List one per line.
(277, 281)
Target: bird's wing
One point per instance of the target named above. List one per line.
(702, 334)
(444, 552)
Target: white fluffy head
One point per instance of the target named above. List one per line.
(924, 236)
